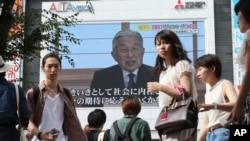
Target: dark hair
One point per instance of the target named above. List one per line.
(51, 55)
(96, 118)
(179, 53)
(244, 7)
(131, 105)
(208, 61)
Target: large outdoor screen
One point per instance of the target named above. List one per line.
(94, 53)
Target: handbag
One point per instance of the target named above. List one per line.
(20, 128)
(180, 115)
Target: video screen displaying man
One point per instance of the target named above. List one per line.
(128, 77)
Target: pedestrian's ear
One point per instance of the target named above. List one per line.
(213, 69)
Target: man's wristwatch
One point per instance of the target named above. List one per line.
(215, 105)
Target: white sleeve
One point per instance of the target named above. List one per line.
(183, 66)
(246, 42)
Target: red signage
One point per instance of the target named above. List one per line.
(179, 5)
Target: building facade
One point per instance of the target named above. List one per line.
(203, 27)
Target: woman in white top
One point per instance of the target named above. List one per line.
(219, 99)
(242, 106)
(175, 69)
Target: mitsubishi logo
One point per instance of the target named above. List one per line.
(179, 5)
(190, 5)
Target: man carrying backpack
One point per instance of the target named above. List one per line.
(139, 130)
(8, 106)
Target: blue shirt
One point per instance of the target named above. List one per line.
(9, 118)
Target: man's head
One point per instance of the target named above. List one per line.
(128, 49)
(131, 105)
(97, 118)
(4, 67)
(51, 66)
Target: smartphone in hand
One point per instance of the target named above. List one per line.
(54, 132)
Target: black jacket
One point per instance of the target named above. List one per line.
(112, 77)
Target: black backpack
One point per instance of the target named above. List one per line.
(126, 135)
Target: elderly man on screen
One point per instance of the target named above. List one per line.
(129, 72)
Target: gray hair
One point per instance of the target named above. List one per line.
(126, 33)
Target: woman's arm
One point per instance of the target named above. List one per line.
(32, 127)
(170, 90)
(203, 131)
(238, 112)
(185, 82)
(230, 96)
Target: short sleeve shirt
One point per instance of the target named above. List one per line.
(171, 77)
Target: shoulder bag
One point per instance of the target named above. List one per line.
(180, 115)
(20, 128)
